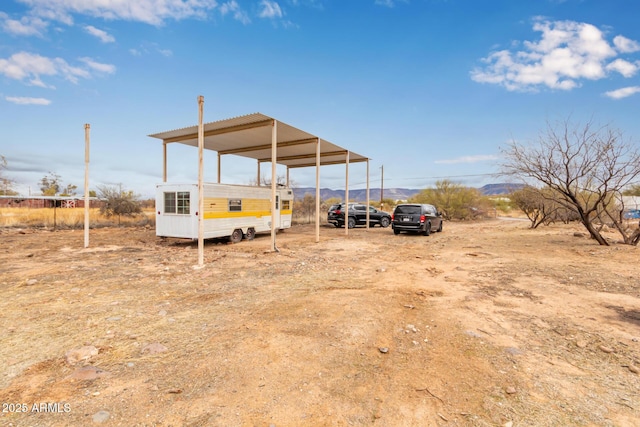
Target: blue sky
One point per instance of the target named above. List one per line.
(429, 89)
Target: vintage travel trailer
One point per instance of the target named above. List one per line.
(233, 211)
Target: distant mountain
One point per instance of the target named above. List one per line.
(394, 193)
(358, 194)
(498, 189)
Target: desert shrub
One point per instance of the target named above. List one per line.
(455, 201)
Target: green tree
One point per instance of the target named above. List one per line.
(633, 190)
(455, 201)
(69, 190)
(387, 204)
(50, 184)
(331, 201)
(118, 202)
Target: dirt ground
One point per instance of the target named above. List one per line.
(485, 324)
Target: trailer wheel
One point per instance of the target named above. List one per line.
(251, 234)
(236, 236)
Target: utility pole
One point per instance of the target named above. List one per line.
(87, 142)
(381, 185)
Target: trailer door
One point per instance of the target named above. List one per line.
(175, 217)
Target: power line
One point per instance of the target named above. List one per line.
(449, 176)
(428, 178)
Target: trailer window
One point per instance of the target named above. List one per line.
(286, 205)
(184, 202)
(169, 202)
(177, 202)
(235, 205)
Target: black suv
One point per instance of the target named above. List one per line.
(357, 216)
(418, 218)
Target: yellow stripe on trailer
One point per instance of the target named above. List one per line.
(245, 214)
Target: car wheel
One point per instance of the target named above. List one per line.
(427, 229)
(384, 222)
(336, 224)
(439, 227)
(396, 231)
(351, 223)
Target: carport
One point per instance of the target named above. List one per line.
(265, 139)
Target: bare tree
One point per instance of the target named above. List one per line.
(305, 207)
(5, 183)
(118, 202)
(541, 207)
(586, 166)
(281, 181)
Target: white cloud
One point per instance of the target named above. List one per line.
(270, 9)
(623, 93)
(153, 12)
(69, 72)
(626, 68)
(21, 100)
(150, 48)
(102, 35)
(31, 67)
(97, 66)
(232, 7)
(566, 53)
(626, 45)
(469, 159)
(26, 26)
(23, 65)
(389, 3)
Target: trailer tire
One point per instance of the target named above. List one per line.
(251, 234)
(236, 236)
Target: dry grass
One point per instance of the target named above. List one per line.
(68, 218)
(294, 337)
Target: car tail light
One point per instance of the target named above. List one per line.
(392, 216)
(338, 212)
(422, 218)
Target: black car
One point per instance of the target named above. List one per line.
(417, 218)
(357, 215)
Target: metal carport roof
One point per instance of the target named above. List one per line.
(265, 139)
(250, 136)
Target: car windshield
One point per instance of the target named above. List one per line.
(408, 209)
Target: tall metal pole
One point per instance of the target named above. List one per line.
(164, 161)
(200, 182)
(274, 206)
(367, 203)
(381, 185)
(317, 190)
(219, 168)
(346, 196)
(87, 128)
